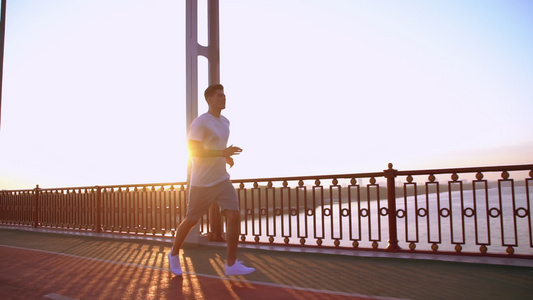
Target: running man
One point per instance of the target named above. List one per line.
(210, 182)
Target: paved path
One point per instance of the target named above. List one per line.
(36, 265)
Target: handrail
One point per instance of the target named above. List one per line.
(468, 170)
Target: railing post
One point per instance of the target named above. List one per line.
(98, 209)
(390, 174)
(36, 207)
(216, 223)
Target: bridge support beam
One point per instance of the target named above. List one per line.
(212, 53)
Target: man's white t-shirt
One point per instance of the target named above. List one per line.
(213, 133)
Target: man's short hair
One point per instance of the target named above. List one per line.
(210, 90)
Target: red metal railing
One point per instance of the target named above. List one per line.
(474, 211)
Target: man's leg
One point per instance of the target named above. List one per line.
(182, 232)
(234, 267)
(233, 221)
(198, 203)
(228, 201)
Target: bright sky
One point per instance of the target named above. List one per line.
(94, 90)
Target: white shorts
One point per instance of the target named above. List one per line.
(201, 198)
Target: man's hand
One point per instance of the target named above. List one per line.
(228, 152)
(229, 161)
(231, 150)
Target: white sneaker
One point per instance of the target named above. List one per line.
(238, 269)
(174, 263)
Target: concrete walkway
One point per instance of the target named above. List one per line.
(39, 264)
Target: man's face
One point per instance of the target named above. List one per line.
(218, 100)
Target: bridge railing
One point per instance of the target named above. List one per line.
(465, 211)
